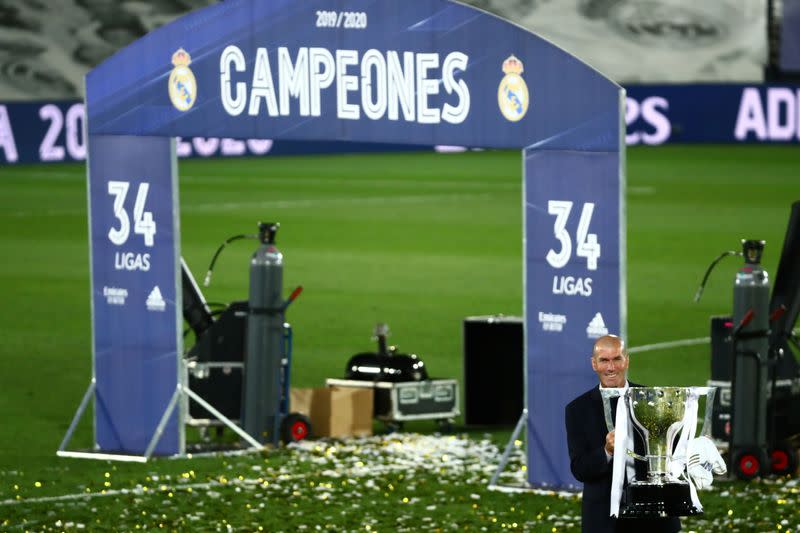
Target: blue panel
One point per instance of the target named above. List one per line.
(466, 51)
(572, 292)
(42, 132)
(713, 114)
(790, 36)
(656, 114)
(134, 291)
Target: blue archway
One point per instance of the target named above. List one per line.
(424, 72)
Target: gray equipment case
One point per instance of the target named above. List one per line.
(434, 399)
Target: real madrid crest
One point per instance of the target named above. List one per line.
(182, 85)
(512, 95)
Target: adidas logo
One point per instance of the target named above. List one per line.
(596, 328)
(155, 302)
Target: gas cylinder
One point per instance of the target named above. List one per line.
(261, 393)
(751, 341)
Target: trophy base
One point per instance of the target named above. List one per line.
(647, 500)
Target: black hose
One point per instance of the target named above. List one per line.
(702, 286)
(207, 280)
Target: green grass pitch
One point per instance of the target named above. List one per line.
(418, 241)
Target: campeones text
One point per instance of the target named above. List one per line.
(392, 85)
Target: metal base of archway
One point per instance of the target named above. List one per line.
(182, 392)
(512, 443)
(525, 487)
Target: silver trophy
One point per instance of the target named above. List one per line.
(659, 415)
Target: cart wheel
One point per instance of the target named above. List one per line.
(394, 426)
(445, 425)
(784, 459)
(747, 463)
(295, 427)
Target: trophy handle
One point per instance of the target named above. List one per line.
(607, 413)
(637, 426)
(636, 455)
(673, 432)
(607, 394)
(707, 423)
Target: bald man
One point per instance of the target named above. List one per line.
(591, 445)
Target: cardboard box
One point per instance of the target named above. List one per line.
(335, 411)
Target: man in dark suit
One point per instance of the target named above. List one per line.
(591, 445)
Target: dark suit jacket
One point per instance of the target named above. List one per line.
(586, 438)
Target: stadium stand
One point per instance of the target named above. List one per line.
(46, 48)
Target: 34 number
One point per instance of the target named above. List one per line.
(588, 246)
(143, 223)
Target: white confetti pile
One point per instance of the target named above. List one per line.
(448, 456)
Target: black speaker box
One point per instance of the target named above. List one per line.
(221, 387)
(493, 370)
(721, 348)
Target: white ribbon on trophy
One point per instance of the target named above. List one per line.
(621, 446)
(697, 458)
(622, 442)
(679, 460)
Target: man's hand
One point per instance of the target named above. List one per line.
(610, 442)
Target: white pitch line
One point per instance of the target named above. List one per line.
(669, 344)
(140, 491)
(512, 489)
(334, 202)
(107, 493)
(78, 176)
(354, 472)
(405, 183)
(364, 201)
